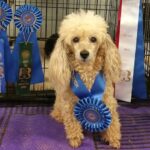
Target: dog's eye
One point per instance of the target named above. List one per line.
(93, 39)
(76, 39)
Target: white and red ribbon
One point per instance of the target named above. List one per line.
(126, 39)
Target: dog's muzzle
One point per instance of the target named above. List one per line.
(84, 54)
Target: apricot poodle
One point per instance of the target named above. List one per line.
(84, 46)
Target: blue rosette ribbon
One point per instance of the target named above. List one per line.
(5, 15)
(5, 53)
(90, 110)
(28, 20)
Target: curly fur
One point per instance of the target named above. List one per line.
(65, 58)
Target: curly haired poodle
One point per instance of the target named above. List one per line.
(84, 46)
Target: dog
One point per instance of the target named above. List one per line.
(84, 46)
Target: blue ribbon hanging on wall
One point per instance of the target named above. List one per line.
(2, 68)
(5, 53)
(139, 82)
(28, 20)
(37, 74)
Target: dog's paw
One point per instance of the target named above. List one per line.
(76, 141)
(74, 134)
(56, 115)
(115, 144)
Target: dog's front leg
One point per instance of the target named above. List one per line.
(56, 112)
(72, 126)
(113, 133)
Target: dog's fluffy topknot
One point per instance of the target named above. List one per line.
(78, 20)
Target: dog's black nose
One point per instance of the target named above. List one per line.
(84, 54)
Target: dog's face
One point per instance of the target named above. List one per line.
(83, 36)
(84, 45)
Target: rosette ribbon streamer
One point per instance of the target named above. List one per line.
(2, 74)
(90, 110)
(5, 53)
(27, 64)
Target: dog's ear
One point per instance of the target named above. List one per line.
(112, 61)
(59, 71)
